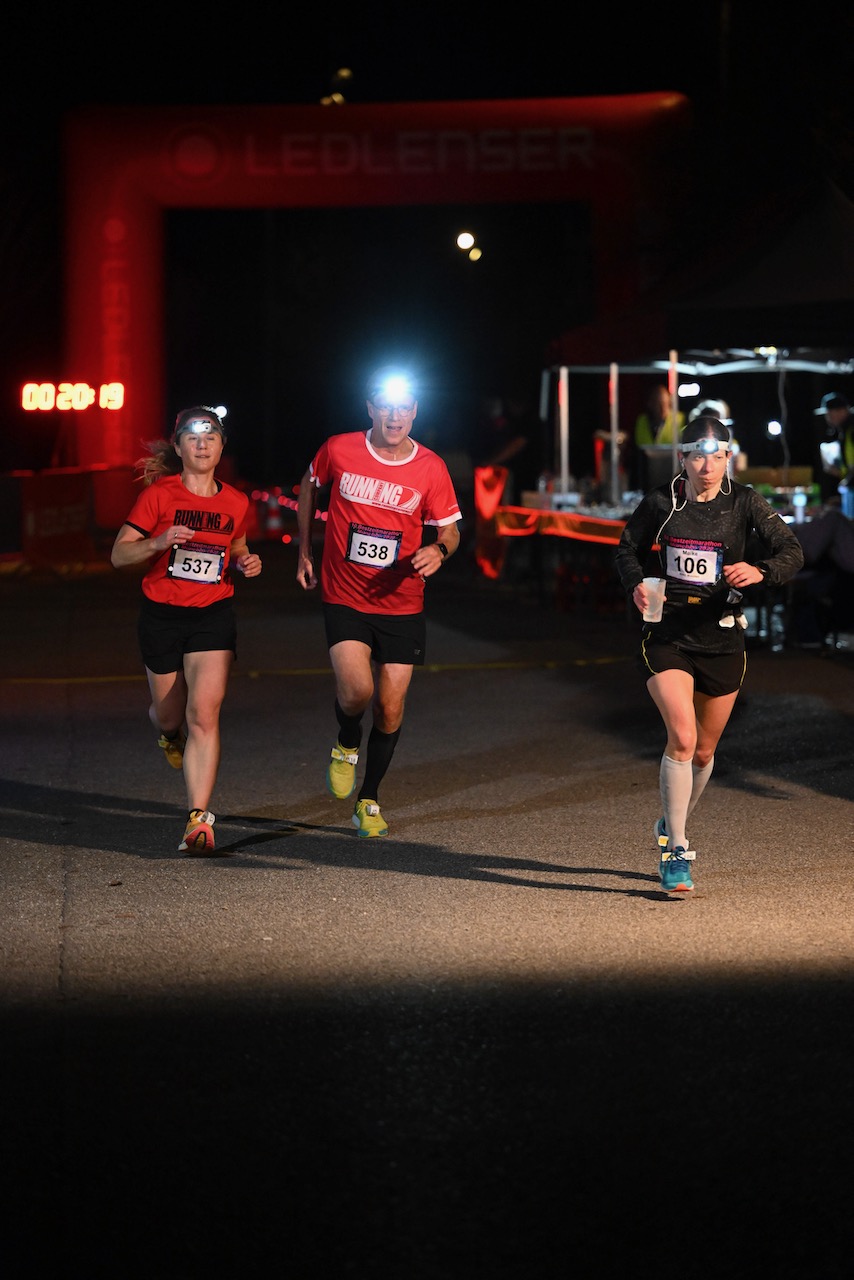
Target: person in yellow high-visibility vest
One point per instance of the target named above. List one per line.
(655, 425)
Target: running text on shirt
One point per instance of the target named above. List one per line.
(218, 521)
(378, 493)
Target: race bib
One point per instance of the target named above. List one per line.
(198, 562)
(696, 563)
(378, 548)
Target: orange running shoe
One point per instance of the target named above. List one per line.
(199, 837)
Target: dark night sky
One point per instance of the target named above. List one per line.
(770, 100)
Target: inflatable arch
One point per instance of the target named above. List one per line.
(126, 165)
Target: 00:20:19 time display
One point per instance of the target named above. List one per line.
(71, 395)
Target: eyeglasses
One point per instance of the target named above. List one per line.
(389, 410)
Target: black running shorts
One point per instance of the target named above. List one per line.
(167, 631)
(390, 637)
(715, 674)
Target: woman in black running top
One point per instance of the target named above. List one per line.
(695, 532)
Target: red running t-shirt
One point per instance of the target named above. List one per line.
(374, 524)
(195, 574)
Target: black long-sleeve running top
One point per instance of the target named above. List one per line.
(688, 543)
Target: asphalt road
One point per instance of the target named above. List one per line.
(486, 1046)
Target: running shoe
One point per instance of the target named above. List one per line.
(173, 749)
(341, 771)
(199, 837)
(368, 819)
(674, 870)
(660, 834)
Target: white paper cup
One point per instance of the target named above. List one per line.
(655, 592)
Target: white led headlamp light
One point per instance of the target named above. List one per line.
(708, 445)
(200, 427)
(395, 387)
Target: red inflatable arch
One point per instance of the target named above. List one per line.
(125, 166)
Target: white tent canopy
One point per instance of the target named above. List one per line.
(698, 366)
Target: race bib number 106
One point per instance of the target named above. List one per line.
(696, 563)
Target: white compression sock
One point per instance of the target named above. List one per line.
(676, 782)
(701, 777)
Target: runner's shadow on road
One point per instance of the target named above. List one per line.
(146, 829)
(340, 847)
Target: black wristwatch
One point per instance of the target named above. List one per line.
(443, 549)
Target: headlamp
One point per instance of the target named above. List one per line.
(393, 389)
(708, 445)
(200, 420)
(199, 428)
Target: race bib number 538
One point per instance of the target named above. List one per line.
(378, 548)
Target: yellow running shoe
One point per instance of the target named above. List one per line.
(341, 771)
(368, 819)
(199, 837)
(173, 749)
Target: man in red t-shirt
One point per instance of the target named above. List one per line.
(385, 491)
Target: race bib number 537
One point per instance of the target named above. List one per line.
(197, 561)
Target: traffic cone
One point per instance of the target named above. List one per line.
(253, 522)
(275, 525)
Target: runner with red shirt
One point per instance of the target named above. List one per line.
(390, 525)
(189, 530)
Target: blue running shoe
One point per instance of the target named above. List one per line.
(674, 870)
(659, 834)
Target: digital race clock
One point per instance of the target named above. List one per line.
(45, 396)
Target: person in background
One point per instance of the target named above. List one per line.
(509, 435)
(385, 492)
(712, 409)
(835, 440)
(188, 530)
(827, 542)
(828, 536)
(694, 532)
(657, 424)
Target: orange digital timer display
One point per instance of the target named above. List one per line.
(44, 396)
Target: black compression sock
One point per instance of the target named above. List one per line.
(380, 751)
(349, 728)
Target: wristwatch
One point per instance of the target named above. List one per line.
(443, 549)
